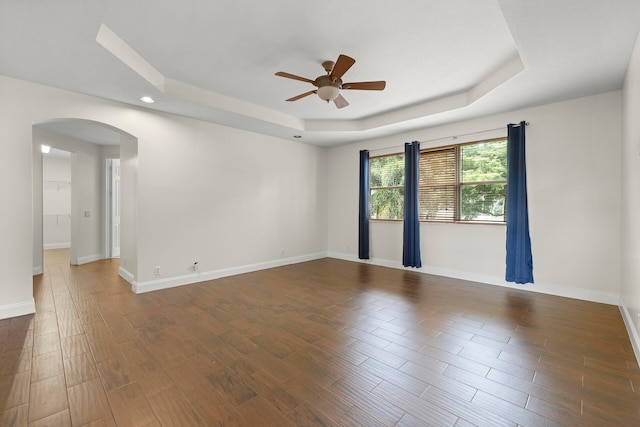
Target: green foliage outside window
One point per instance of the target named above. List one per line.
(483, 187)
(387, 187)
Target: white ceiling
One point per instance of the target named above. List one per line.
(215, 60)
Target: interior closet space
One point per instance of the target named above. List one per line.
(56, 199)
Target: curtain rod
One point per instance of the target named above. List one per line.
(454, 137)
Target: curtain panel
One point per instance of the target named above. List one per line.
(411, 231)
(519, 268)
(363, 209)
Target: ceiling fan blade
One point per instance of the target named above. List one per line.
(294, 77)
(302, 95)
(380, 85)
(340, 102)
(343, 64)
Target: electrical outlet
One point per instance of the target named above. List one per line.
(281, 252)
(196, 266)
(156, 270)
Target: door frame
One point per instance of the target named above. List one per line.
(108, 203)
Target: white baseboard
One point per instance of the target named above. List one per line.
(38, 270)
(171, 282)
(631, 330)
(90, 258)
(64, 245)
(544, 288)
(17, 309)
(126, 275)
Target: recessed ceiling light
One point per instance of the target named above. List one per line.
(147, 99)
(45, 149)
(297, 136)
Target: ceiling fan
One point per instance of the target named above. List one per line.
(329, 85)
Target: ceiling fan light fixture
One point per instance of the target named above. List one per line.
(328, 93)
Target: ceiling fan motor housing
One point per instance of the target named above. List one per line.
(327, 81)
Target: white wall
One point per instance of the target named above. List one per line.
(230, 199)
(56, 199)
(630, 287)
(225, 198)
(573, 165)
(128, 205)
(16, 289)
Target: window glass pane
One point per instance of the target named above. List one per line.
(387, 171)
(437, 203)
(387, 203)
(485, 161)
(483, 202)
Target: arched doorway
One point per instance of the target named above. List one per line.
(95, 148)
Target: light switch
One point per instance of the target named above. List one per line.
(87, 214)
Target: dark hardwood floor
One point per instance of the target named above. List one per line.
(326, 342)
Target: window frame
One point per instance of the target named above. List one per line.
(459, 183)
(392, 187)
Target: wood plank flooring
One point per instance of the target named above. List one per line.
(326, 343)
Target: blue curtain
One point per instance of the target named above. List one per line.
(363, 209)
(519, 257)
(411, 235)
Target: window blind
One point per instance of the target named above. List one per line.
(438, 185)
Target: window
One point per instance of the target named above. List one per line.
(437, 185)
(466, 182)
(483, 181)
(387, 187)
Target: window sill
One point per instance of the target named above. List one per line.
(431, 221)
